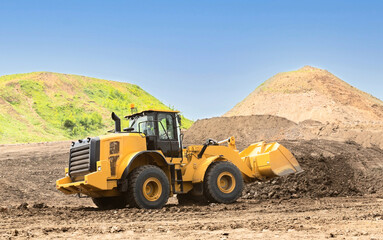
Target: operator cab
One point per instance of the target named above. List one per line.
(161, 128)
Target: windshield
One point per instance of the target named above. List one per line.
(143, 124)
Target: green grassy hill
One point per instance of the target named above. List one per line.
(45, 106)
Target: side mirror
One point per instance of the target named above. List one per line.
(129, 129)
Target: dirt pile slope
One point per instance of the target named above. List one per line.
(248, 129)
(311, 94)
(332, 168)
(255, 128)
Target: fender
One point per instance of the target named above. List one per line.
(199, 173)
(156, 156)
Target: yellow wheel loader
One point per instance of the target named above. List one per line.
(143, 165)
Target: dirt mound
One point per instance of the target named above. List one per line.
(323, 106)
(311, 94)
(332, 169)
(366, 135)
(248, 129)
(336, 180)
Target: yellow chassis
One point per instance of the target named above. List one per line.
(258, 161)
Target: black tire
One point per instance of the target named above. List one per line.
(155, 180)
(105, 203)
(231, 183)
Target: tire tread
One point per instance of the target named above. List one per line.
(208, 187)
(131, 197)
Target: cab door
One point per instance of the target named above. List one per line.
(167, 140)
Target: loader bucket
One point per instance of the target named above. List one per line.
(269, 160)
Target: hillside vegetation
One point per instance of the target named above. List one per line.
(45, 106)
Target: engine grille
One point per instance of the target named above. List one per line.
(83, 157)
(79, 160)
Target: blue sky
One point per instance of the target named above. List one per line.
(202, 57)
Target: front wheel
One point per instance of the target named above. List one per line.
(148, 187)
(223, 183)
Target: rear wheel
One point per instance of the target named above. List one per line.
(148, 187)
(223, 183)
(110, 202)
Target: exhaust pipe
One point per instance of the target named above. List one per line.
(117, 123)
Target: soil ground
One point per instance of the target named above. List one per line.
(320, 203)
(337, 218)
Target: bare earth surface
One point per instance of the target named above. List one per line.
(338, 218)
(338, 196)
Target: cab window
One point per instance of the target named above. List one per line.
(144, 124)
(165, 124)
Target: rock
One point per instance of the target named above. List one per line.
(39, 205)
(371, 190)
(115, 229)
(23, 206)
(271, 194)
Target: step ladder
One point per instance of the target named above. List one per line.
(176, 178)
